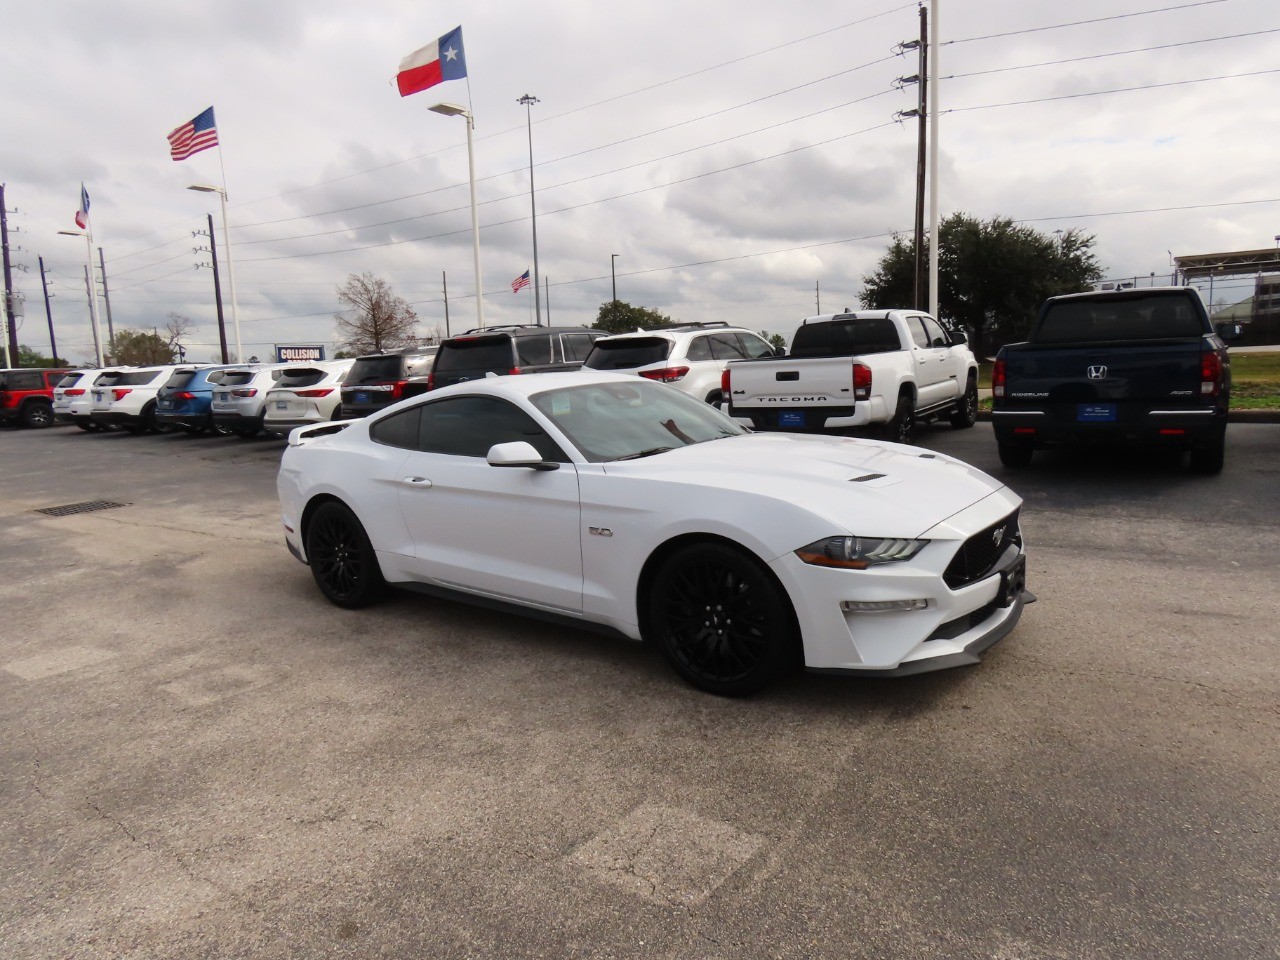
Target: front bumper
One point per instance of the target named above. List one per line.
(953, 628)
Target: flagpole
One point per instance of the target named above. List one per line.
(93, 293)
(231, 265)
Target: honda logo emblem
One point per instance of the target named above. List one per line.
(1098, 372)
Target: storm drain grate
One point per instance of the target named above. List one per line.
(67, 509)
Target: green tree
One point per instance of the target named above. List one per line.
(992, 275)
(27, 357)
(134, 348)
(618, 316)
(375, 319)
(776, 340)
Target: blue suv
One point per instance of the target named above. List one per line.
(185, 401)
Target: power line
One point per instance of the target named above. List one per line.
(1081, 23)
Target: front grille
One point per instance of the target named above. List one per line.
(963, 624)
(981, 552)
(88, 506)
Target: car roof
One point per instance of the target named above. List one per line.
(671, 333)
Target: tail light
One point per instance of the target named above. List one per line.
(725, 385)
(1210, 374)
(513, 371)
(998, 378)
(184, 395)
(245, 392)
(73, 393)
(319, 392)
(861, 382)
(397, 389)
(119, 394)
(666, 374)
(431, 381)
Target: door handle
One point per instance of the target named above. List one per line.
(416, 481)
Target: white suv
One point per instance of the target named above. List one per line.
(73, 397)
(127, 397)
(240, 397)
(690, 356)
(305, 394)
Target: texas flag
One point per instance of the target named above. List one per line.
(82, 215)
(438, 61)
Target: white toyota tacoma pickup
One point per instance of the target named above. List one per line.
(888, 368)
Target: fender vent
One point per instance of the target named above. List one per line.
(89, 506)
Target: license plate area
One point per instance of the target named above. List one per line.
(1096, 413)
(791, 418)
(282, 404)
(1012, 582)
(360, 397)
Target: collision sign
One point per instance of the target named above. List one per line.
(299, 353)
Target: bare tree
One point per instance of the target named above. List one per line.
(176, 327)
(374, 320)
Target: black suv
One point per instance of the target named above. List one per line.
(381, 379)
(521, 348)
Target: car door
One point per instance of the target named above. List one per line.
(951, 371)
(507, 532)
(930, 361)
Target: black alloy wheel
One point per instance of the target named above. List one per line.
(341, 558)
(966, 414)
(721, 620)
(902, 428)
(37, 415)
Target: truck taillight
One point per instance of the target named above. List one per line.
(245, 392)
(861, 382)
(431, 382)
(725, 390)
(666, 374)
(118, 394)
(319, 392)
(998, 378)
(1210, 374)
(513, 371)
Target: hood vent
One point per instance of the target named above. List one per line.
(866, 477)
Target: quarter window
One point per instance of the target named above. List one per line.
(755, 346)
(534, 351)
(397, 430)
(699, 349)
(725, 346)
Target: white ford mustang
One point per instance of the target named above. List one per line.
(626, 505)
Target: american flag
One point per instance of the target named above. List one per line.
(193, 136)
(520, 282)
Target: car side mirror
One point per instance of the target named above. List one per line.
(779, 351)
(1229, 331)
(519, 453)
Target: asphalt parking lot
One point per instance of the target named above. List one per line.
(202, 758)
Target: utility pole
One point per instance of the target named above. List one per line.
(817, 297)
(106, 296)
(48, 311)
(11, 340)
(935, 229)
(920, 112)
(89, 292)
(444, 280)
(217, 287)
(546, 283)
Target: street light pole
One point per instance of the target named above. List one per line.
(455, 110)
(91, 287)
(935, 234)
(231, 266)
(529, 100)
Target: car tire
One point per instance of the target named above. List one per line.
(341, 558)
(37, 415)
(715, 399)
(87, 427)
(1209, 459)
(966, 412)
(1015, 456)
(901, 428)
(721, 620)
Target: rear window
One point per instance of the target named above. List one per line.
(70, 380)
(846, 337)
(479, 353)
(180, 379)
(1156, 317)
(306, 377)
(236, 378)
(127, 378)
(375, 369)
(624, 354)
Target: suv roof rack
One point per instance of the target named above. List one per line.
(695, 325)
(503, 326)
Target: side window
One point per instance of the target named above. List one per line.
(576, 346)
(534, 351)
(937, 337)
(755, 346)
(25, 381)
(918, 334)
(699, 349)
(469, 426)
(397, 430)
(725, 346)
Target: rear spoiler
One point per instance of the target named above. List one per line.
(301, 435)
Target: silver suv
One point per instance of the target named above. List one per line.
(690, 356)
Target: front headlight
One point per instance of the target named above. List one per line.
(858, 553)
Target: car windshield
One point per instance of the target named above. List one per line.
(624, 421)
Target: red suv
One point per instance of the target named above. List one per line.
(26, 396)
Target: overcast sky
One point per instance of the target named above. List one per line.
(732, 155)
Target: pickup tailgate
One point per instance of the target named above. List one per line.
(1143, 373)
(791, 384)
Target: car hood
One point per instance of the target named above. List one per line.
(868, 487)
